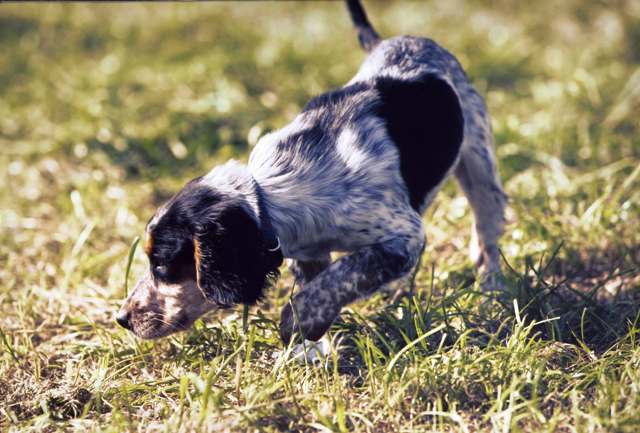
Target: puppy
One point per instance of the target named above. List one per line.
(353, 172)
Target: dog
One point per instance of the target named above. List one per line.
(352, 173)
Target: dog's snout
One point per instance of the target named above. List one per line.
(123, 320)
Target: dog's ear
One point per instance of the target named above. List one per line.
(233, 261)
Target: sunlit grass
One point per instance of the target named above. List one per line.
(105, 110)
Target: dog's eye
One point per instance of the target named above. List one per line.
(160, 270)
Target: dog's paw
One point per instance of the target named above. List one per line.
(311, 351)
(307, 352)
(315, 320)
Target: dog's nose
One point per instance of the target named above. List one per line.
(123, 320)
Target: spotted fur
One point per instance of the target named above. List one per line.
(353, 173)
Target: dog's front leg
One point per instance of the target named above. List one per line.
(305, 271)
(312, 311)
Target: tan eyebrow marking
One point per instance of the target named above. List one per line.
(196, 256)
(148, 243)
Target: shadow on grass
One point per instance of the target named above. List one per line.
(590, 300)
(593, 294)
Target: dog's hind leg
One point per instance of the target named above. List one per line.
(478, 177)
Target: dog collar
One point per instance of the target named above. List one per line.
(265, 222)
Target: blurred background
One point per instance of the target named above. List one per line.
(106, 110)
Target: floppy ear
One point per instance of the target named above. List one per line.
(233, 261)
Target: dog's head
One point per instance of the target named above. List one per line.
(206, 251)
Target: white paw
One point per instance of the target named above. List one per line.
(311, 351)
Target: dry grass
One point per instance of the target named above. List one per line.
(106, 110)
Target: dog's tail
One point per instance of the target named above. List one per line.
(367, 36)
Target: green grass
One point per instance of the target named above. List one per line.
(105, 110)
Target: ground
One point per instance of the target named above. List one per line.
(105, 110)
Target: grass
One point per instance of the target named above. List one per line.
(105, 110)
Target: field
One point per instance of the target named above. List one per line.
(106, 110)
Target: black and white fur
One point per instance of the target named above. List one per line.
(353, 173)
